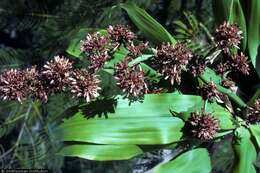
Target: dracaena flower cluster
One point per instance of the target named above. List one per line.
(172, 60)
(84, 84)
(100, 47)
(227, 38)
(235, 63)
(96, 46)
(56, 76)
(121, 34)
(131, 79)
(202, 125)
(13, 85)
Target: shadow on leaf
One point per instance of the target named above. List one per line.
(99, 108)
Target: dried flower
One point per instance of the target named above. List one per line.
(240, 63)
(97, 61)
(94, 43)
(138, 50)
(84, 84)
(35, 85)
(202, 125)
(131, 79)
(172, 60)
(13, 85)
(209, 91)
(254, 113)
(121, 34)
(197, 66)
(228, 36)
(56, 73)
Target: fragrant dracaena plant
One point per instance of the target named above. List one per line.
(150, 106)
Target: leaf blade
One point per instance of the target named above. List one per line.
(194, 161)
(147, 24)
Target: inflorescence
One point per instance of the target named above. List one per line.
(59, 75)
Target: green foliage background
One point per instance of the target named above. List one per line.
(33, 31)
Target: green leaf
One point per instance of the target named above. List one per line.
(224, 116)
(254, 34)
(74, 45)
(219, 112)
(152, 74)
(255, 130)
(221, 9)
(194, 161)
(162, 129)
(210, 75)
(140, 59)
(149, 122)
(118, 56)
(245, 152)
(101, 152)
(236, 16)
(153, 30)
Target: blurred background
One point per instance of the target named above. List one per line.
(32, 32)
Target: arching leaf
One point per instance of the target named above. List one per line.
(153, 30)
(101, 152)
(245, 152)
(194, 161)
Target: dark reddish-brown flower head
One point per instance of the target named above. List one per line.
(131, 79)
(172, 60)
(209, 91)
(254, 113)
(13, 85)
(98, 60)
(35, 85)
(240, 63)
(138, 50)
(56, 73)
(84, 84)
(121, 34)
(202, 125)
(94, 43)
(228, 36)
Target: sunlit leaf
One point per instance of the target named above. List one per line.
(101, 152)
(245, 152)
(255, 130)
(194, 161)
(149, 122)
(254, 34)
(153, 30)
